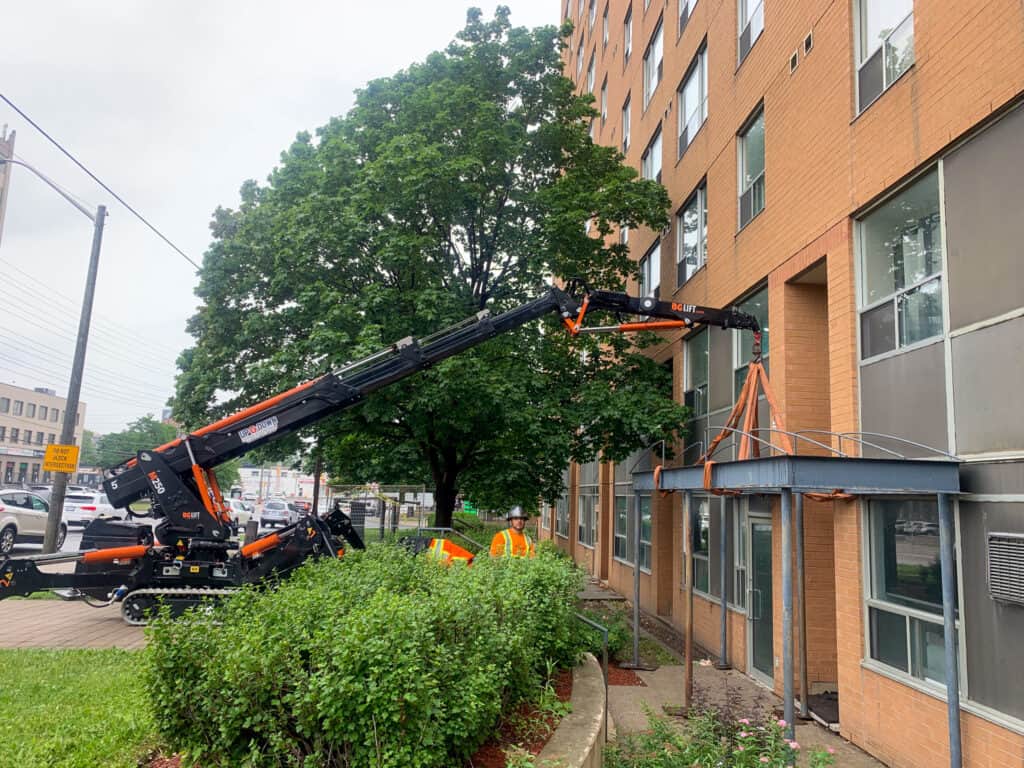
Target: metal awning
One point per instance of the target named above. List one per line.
(819, 474)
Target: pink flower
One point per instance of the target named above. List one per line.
(830, 751)
(793, 744)
(764, 759)
(743, 721)
(743, 734)
(740, 748)
(782, 723)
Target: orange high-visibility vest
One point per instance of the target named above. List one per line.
(448, 552)
(509, 543)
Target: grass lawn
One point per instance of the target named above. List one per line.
(73, 709)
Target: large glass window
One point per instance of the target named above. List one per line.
(592, 14)
(627, 36)
(695, 395)
(702, 547)
(905, 607)
(743, 341)
(885, 46)
(645, 533)
(579, 58)
(751, 161)
(692, 98)
(604, 28)
(692, 236)
(604, 102)
(562, 517)
(650, 163)
(625, 126)
(901, 270)
(739, 557)
(685, 11)
(590, 75)
(30, 410)
(623, 547)
(5, 404)
(19, 407)
(653, 64)
(44, 413)
(586, 516)
(650, 272)
(751, 18)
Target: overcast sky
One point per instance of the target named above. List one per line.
(173, 106)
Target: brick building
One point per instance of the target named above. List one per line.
(849, 173)
(30, 419)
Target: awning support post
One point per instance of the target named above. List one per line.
(723, 548)
(787, 610)
(946, 532)
(688, 578)
(636, 580)
(801, 604)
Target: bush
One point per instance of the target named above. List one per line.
(378, 659)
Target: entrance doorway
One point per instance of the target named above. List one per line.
(759, 604)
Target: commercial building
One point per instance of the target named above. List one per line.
(849, 172)
(31, 419)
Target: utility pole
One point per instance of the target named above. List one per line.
(6, 153)
(67, 434)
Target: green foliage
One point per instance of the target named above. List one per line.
(459, 184)
(73, 709)
(228, 474)
(620, 636)
(709, 740)
(90, 456)
(142, 434)
(378, 659)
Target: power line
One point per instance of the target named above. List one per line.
(91, 175)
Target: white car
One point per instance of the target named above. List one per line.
(23, 519)
(278, 512)
(241, 511)
(81, 508)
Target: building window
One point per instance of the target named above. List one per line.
(650, 164)
(546, 512)
(14, 434)
(604, 102)
(26, 437)
(19, 407)
(751, 16)
(905, 608)
(692, 98)
(579, 58)
(624, 236)
(585, 516)
(695, 395)
(692, 236)
(592, 14)
(751, 151)
(3, 434)
(645, 533)
(627, 37)
(901, 270)
(35, 473)
(625, 126)
(43, 412)
(30, 410)
(5, 405)
(702, 547)
(51, 438)
(579, 12)
(685, 11)
(623, 546)
(739, 558)
(653, 65)
(743, 341)
(562, 517)
(55, 415)
(590, 75)
(650, 272)
(885, 46)
(604, 28)
(39, 438)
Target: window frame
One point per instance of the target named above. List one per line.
(744, 21)
(579, 58)
(699, 198)
(688, 6)
(653, 75)
(740, 356)
(5, 405)
(647, 263)
(652, 153)
(604, 101)
(689, 383)
(744, 187)
(626, 122)
(739, 555)
(604, 28)
(862, 59)
(698, 68)
(646, 545)
(562, 517)
(591, 15)
(19, 408)
(591, 73)
(586, 524)
(623, 536)
(627, 36)
(897, 295)
(702, 515)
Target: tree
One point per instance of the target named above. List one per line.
(90, 454)
(142, 434)
(462, 183)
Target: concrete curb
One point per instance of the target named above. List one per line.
(578, 742)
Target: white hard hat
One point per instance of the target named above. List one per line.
(517, 511)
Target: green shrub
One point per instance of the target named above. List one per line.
(73, 709)
(620, 635)
(378, 659)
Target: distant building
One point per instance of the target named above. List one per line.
(30, 419)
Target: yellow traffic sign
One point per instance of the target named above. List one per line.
(61, 458)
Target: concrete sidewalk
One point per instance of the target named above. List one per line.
(60, 624)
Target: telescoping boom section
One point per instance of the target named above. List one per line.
(191, 553)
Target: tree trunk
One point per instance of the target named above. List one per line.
(445, 492)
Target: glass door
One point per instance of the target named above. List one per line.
(759, 603)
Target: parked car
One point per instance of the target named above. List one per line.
(241, 511)
(278, 512)
(81, 508)
(23, 519)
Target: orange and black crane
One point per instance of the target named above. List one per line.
(190, 554)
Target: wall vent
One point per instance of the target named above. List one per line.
(1006, 567)
(808, 43)
(794, 60)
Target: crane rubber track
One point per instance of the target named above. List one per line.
(137, 603)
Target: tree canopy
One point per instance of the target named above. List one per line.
(465, 182)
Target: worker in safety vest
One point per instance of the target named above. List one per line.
(513, 541)
(449, 552)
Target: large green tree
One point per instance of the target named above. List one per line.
(465, 182)
(142, 434)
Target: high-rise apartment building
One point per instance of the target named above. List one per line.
(849, 172)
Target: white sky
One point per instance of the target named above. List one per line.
(173, 106)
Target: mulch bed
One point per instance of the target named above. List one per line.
(532, 737)
(619, 676)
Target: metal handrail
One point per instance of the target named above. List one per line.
(868, 443)
(801, 436)
(905, 441)
(753, 437)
